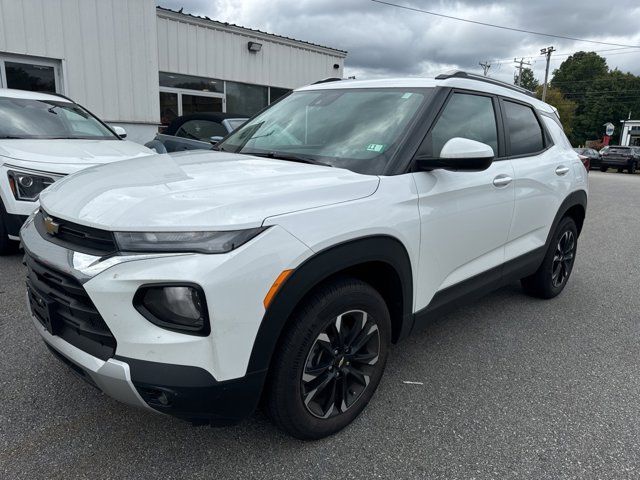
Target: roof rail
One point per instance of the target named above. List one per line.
(56, 94)
(327, 80)
(480, 78)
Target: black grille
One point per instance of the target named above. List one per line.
(62, 305)
(73, 236)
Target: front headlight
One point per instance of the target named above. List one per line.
(198, 242)
(26, 185)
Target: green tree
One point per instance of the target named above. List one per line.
(600, 95)
(528, 80)
(566, 108)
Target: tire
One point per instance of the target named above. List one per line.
(548, 281)
(620, 170)
(632, 168)
(603, 168)
(306, 371)
(7, 246)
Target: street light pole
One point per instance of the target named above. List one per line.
(547, 52)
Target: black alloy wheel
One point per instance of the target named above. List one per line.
(563, 259)
(340, 363)
(330, 359)
(556, 267)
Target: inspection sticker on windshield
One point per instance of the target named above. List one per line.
(375, 147)
(406, 95)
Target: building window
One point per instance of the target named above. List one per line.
(245, 99)
(29, 73)
(275, 93)
(198, 103)
(184, 94)
(168, 108)
(190, 82)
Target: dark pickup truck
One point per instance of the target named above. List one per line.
(197, 131)
(622, 158)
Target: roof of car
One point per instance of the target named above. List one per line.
(27, 95)
(468, 83)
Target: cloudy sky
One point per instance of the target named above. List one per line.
(387, 41)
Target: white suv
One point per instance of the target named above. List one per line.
(281, 267)
(42, 138)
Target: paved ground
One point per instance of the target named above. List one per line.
(512, 388)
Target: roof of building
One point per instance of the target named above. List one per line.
(250, 31)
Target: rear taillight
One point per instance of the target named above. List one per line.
(585, 161)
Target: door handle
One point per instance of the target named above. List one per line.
(562, 170)
(502, 181)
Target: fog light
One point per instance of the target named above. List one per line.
(181, 308)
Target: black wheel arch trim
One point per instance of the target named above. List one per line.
(324, 264)
(574, 199)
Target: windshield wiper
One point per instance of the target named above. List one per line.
(11, 137)
(290, 157)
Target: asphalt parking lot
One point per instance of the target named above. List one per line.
(509, 387)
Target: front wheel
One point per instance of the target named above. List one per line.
(632, 168)
(553, 274)
(603, 168)
(7, 246)
(330, 361)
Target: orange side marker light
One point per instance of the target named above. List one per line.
(275, 287)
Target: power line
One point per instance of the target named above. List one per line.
(502, 27)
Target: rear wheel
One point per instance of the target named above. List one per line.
(553, 274)
(330, 361)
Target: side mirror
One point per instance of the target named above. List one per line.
(215, 139)
(121, 132)
(460, 154)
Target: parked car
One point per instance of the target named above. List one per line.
(282, 266)
(197, 131)
(621, 158)
(42, 138)
(591, 155)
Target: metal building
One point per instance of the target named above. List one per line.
(138, 65)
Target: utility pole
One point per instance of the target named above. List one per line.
(521, 62)
(485, 67)
(547, 52)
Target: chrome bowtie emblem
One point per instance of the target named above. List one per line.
(51, 226)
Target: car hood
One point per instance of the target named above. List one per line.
(198, 191)
(71, 152)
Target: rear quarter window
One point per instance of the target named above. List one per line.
(557, 134)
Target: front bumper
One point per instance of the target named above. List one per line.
(203, 379)
(113, 376)
(188, 393)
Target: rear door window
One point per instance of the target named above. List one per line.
(524, 133)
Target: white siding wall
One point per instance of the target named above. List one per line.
(199, 47)
(108, 50)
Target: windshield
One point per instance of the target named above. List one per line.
(357, 129)
(23, 118)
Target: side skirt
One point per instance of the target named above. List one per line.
(478, 286)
